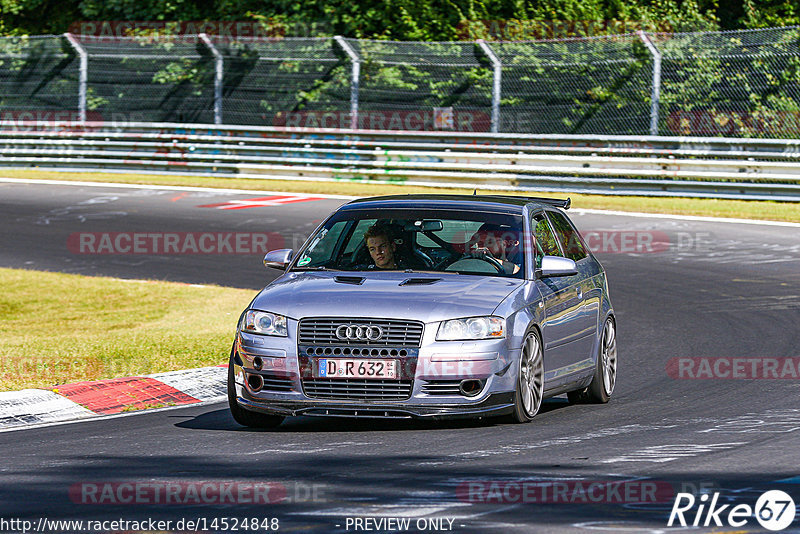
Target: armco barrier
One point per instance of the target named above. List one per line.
(635, 165)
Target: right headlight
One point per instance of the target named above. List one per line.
(264, 323)
(471, 328)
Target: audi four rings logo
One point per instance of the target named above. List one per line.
(359, 332)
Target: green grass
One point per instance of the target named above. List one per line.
(765, 210)
(61, 328)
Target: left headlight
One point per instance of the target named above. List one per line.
(259, 322)
(471, 328)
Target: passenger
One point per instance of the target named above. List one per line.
(494, 241)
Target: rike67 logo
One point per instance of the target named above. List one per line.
(774, 510)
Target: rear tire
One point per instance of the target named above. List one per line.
(530, 380)
(605, 374)
(242, 416)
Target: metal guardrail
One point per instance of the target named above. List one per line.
(634, 165)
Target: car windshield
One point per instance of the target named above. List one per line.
(437, 240)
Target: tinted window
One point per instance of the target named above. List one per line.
(359, 230)
(324, 242)
(544, 242)
(569, 238)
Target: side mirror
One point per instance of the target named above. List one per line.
(278, 259)
(557, 266)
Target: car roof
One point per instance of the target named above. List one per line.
(502, 203)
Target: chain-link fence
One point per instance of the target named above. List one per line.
(414, 85)
(744, 83)
(273, 82)
(741, 83)
(159, 80)
(591, 86)
(37, 74)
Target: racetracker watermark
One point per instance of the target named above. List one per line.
(534, 30)
(643, 241)
(564, 491)
(184, 493)
(31, 120)
(429, 119)
(627, 241)
(727, 122)
(457, 366)
(26, 120)
(167, 243)
(598, 241)
(188, 30)
(732, 368)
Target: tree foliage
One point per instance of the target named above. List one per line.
(434, 20)
(418, 56)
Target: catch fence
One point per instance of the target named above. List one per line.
(731, 84)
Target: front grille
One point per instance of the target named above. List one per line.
(323, 331)
(358, 389)
(442, 387)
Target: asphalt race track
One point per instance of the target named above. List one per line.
(703, 289)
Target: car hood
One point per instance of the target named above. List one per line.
(386, 295)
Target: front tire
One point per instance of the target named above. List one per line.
(242, 416)
(605, 374)
(530, 380)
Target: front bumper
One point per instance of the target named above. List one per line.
(429, 375)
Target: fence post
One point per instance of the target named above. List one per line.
(656, 89)
(83, 75)
(218, 66)
(356, 74)
(497, 68)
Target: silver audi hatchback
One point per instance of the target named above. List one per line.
(427, 306)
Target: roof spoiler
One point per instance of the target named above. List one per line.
(557, 202)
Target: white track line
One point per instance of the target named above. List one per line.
(686, 217)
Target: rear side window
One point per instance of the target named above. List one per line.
(569, 238)
(544, 241)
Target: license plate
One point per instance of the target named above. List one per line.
(347, 368)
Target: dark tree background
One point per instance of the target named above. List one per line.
(435, 20)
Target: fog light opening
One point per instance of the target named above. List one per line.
(470, 387)
(255, 383)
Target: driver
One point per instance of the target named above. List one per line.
(381, 248)
(494, 241)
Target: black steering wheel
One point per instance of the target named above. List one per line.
(491, 260)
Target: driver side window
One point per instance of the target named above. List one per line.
(357, 236)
